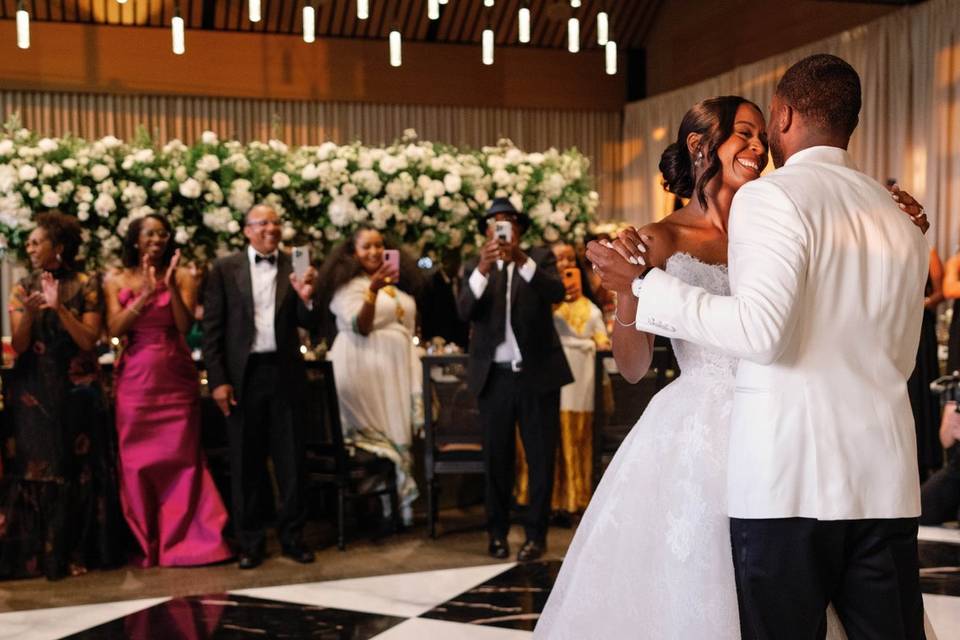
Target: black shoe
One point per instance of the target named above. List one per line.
(249, 560)
(298, 553)
(498, 548)
(531, 550)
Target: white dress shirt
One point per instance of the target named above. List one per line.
(263, 281)
(508, 350)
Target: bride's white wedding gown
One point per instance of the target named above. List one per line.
(651, 558)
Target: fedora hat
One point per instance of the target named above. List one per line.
(503, 205)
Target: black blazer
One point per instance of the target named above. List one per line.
(228, 329)
(545, 367)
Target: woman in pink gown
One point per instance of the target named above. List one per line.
(168, 496)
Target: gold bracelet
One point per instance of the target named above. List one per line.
(370, 297)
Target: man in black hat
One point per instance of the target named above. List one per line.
(516, 370)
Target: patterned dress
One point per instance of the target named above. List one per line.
(58, 501)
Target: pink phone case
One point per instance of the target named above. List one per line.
(392, 257)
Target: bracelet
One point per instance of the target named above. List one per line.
(370, 297)
(619, 322)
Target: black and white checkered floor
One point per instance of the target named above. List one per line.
(492, 602)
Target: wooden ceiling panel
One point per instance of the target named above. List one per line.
(461, 21)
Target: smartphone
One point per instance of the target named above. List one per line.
(503, 231)
(301, 260)
(571, 277)
(392, 258)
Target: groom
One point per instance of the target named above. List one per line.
(827, 281)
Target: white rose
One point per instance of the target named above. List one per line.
(50, 199)
(445, 203)
(6, 147)
(99, 172)
(83, 215)
(517, 201)
(208, 163)
(281, 180)
(69, 163)
(414, 214)
(34, 192)
(143, 156)
(341, 211)
(453, 183)
(182, 236)
(161, 186)
(480, 196)
(47, 145)
(190, 188)
(110, 142)
(313, 199)
(339, 165)
(209, 137)
(27, 172)
(233, 226)
(104, 204)
(309, 172)
(502, 177)
(180, 173)
(326, 150)
(536, 159)
(550, 234)
(65, 188)
(277, 146)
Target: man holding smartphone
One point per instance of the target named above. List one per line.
(516, 369)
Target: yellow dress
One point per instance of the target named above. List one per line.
(581, 328)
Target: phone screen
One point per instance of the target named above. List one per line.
(571, 277)
(301, 260)
(504, 230)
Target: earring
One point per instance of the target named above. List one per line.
(699, 159)
(59, 259)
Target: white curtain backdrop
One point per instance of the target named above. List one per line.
(909, 64)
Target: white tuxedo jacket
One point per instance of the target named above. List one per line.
(827, 280)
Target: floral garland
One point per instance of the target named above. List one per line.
(424, 194)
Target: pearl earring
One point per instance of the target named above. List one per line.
(699, 159)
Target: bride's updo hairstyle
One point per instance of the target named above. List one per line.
(713, 119)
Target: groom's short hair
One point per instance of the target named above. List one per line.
(824, 89)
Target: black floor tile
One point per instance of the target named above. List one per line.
(233, 617)
(513, 599)
(940, 568)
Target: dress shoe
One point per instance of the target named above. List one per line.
(531, 550)
(498, 548)
(299, 553)
(249, 560)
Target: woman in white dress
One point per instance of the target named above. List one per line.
(651, 557)
(374, 362)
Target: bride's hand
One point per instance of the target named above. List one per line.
(632, 245)
(616, 272)
(910, 206)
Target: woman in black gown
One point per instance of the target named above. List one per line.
(58, 493)
(926, 406)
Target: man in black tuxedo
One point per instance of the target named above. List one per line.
(516, 369)
(253, 304)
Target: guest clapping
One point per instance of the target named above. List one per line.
(56, 498)
(168, 495)
(376, 368)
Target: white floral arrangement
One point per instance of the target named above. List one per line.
(424, 194)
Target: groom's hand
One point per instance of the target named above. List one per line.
(616, 272)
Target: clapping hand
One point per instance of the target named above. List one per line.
(170, 277)
(51, 291)
(307, 285)
(34, 303)
(148, 277)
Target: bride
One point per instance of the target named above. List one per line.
(651, 557)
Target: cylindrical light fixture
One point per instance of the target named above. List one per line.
(603, 28)
(523, 22)
(611, 50)
(396, 57)
(488, 3)
(443, 1)
(433, 9)
(363, 9)
(121, 1)
(309, 23)
(23, 27)
(179, 47)
(573, 35)
(488, 46)
(575, 4)
(254, 10)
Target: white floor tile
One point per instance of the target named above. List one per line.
(939, 534)
(944, 615)
(49, 624)
(424, 629)
(403, 594)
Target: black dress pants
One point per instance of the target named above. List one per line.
(263, 423)
(789, 569)
(503, 404)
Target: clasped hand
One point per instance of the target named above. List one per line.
(620, 261)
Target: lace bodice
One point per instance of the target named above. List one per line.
(694, 359)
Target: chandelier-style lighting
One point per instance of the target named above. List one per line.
(23, 27)
(176, 27)
(611, 62)
(487, 46)
(603, 28)
(309, 23)
(573, 35)
(396, 55)
(523, 23)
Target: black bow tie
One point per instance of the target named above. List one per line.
(272, 259)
